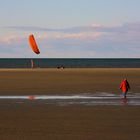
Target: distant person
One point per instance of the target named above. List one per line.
(124, 87)
(60, 67)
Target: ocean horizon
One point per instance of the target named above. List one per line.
(70, 62)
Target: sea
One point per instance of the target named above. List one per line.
(70, 62)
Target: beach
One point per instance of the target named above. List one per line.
(34, 121)
(26, 120)
(66, 81)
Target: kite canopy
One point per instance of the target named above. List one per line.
(33, 44)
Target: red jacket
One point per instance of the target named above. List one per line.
(124, 86)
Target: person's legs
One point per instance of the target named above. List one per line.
(124, 95)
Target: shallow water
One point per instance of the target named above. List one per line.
(86, 99)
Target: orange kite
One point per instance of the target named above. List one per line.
(33, 44)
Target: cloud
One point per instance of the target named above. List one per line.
(78, 29)
(10, 39)
(129, 31)
(74, 36)
(91, 41)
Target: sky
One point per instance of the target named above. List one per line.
(70, 28)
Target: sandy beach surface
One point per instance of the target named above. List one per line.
(33, 122)
(66, 81)
(30, 120)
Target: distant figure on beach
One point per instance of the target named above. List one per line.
(32, 64)
(124, 87)
(60, 67)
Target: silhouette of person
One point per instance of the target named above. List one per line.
(124, 86)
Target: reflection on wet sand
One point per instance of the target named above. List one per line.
(79, 99)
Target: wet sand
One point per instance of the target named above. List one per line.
(66, 81)
(32, 121)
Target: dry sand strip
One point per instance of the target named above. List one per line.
(66, 81)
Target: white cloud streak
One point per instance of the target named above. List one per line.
(99, 40)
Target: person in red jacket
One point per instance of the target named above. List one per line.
(124, 87)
